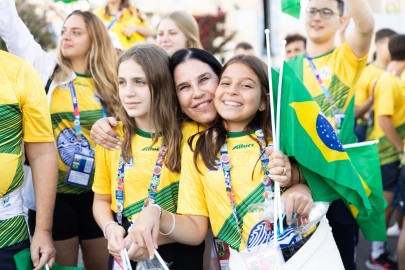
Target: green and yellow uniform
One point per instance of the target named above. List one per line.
(24, 116)
(126, 18)
(388, 101)
(64, 129)
(136, 177)
(204, 194)
(364, 85)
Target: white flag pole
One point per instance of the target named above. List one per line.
(276, 199)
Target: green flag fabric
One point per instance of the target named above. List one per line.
(364, 157)
(307, 135)
(65, 1)
(23, 262)
(291, 7)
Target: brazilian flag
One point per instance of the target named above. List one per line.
(307, 135)
(365, 159)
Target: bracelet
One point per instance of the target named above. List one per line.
(158, 206)
(106, 227)
(174, 225)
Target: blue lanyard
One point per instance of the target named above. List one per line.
(225, 165)
(321, 83)
(76, 111)
(116, 18)
(153, 184)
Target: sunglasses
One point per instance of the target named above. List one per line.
(325, 13)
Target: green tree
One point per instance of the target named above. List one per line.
(37, 24)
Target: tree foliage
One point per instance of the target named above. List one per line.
(36, 23)
(212, 31)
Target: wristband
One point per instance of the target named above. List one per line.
(106, 227)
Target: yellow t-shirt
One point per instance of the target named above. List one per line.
(137, 177)
(364, 85)
(205, 195)
(339, 70)
(126, 19)
(24, 116)
(90, 110)
(388, 101)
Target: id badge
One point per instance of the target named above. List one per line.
(263, 258)
(81, 170)
(222, 253)
(338, 119)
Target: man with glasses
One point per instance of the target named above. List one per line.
(329, 73)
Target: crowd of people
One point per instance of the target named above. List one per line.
(135, 147)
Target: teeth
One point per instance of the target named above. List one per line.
(231, 103)
(202, 104)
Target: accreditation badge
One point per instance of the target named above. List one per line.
(81, 170)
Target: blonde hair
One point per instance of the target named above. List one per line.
(101, 59)
(188, 25)
(164, 108)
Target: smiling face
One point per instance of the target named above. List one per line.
(75, 40)
(170, 37)
(134, 92)
(195, 84)
(238, 96)
(322, 28)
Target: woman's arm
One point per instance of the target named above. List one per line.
(102, 133)
(20, 42)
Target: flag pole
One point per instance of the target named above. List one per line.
(276, 146)
(279, 88)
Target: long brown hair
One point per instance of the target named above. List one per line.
(164, 104)
(101, 59)
(210, 141)
(123, 4)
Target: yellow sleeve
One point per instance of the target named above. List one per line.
(384, 97)
(360, 90)
(36, 121)
(191, 191)
(102, 176)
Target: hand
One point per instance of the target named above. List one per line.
(42, 249)
(298, 199)
(115, 236)
(103, 134)
(129, 30)
(135, 252)
(279, 167)
(145, 229)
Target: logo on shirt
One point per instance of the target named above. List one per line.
(68, 146)
(242, 146)
(150, 149)
(325, 73)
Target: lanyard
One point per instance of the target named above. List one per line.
(76, 111)
(322, 84)
(224, 163)
(116, 18)
(153, 185)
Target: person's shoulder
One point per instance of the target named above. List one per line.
(99, 12)
(12, 64)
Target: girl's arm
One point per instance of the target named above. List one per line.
(189, 230)
(105, 220)
(20, 42)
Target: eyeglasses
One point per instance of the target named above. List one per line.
(325, 13)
